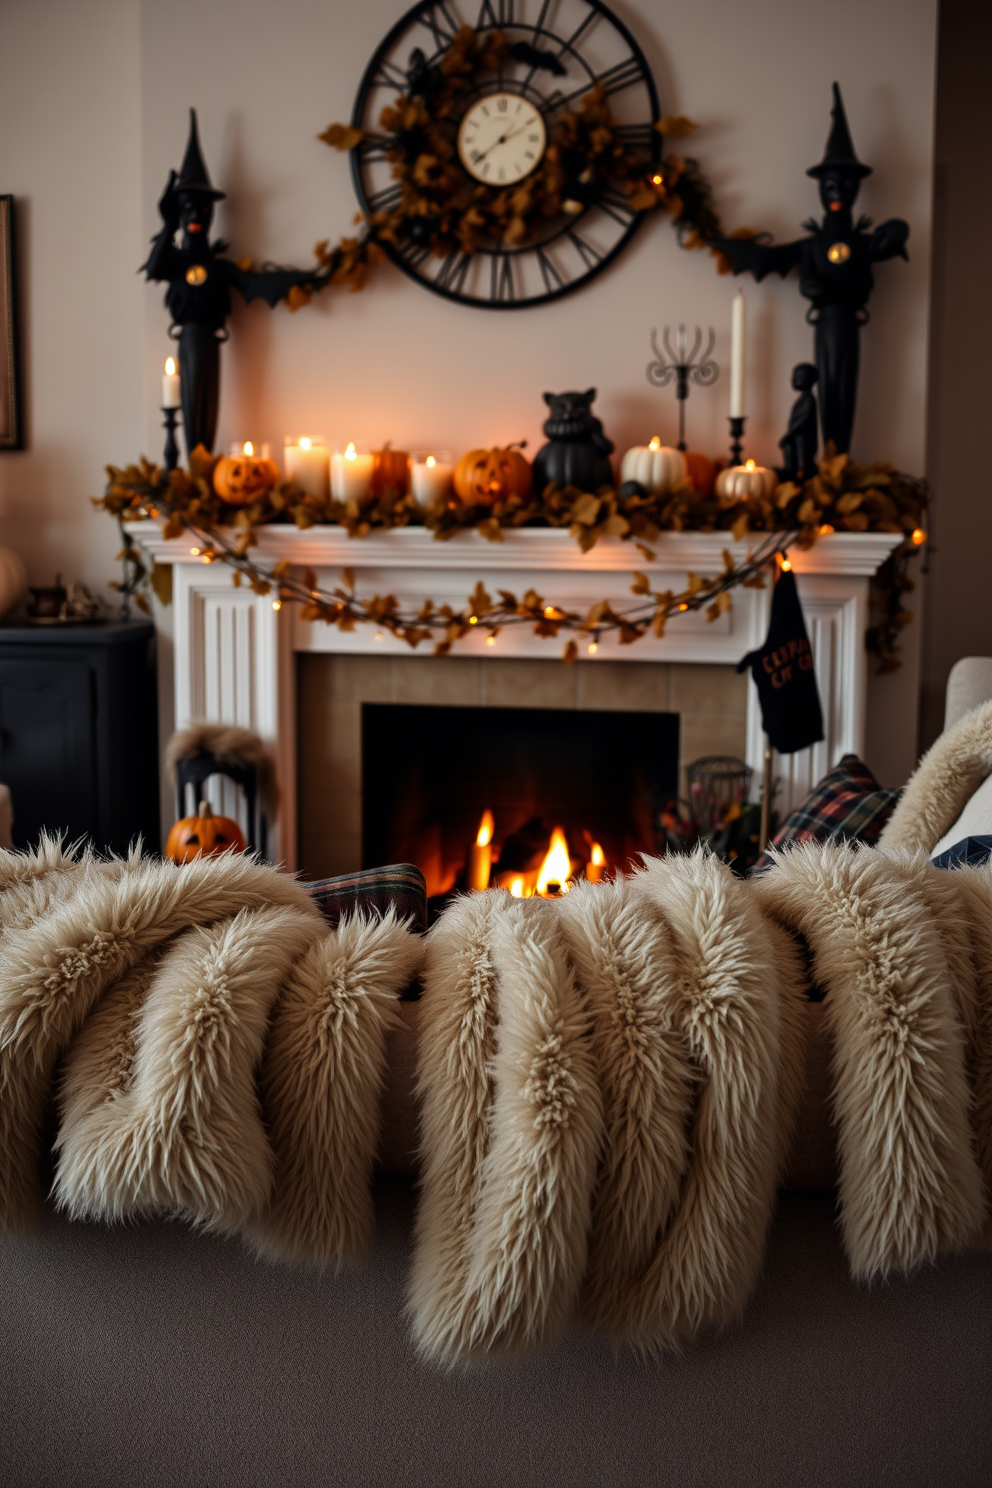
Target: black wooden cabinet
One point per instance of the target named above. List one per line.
(79, 732)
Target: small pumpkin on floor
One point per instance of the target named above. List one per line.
(203, 836)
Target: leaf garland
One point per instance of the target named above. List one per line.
(842, 496)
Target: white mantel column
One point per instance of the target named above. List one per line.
(234, 664)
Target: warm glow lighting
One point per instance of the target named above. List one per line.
(490, 640)
(557, 865)
(430, 462)
(550, 613)
(486, 828)
(170, 366)
(277, 604)
(304, 443)
(378, 635)
(683, 606)
(597, 856)
(247, 448)
(657, 180)
(749, 465)
(517, 887)
(786, 566)
(919, 537)
(592, 647)
(195, 552)
(655, 443)
(351, 453)
(826, 530)
(473, 619)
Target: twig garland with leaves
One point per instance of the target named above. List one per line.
(842, 496)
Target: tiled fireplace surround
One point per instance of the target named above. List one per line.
(301, 685)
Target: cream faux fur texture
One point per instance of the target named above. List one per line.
(671, 1257)
(322, 1076)
(512, 1125)
(166, 991)
(944, 780)
(897, 976)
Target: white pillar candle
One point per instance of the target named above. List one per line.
(430, 477)
(351, 474)
(170, 384)
(738, 322)
(306, 463)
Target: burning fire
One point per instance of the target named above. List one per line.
(597, 857)
(486, 828)
(517, 886)
(557, 865)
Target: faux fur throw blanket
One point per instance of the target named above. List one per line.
(610, 1083)
(216, 1049)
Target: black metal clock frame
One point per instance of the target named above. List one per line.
(431, 25)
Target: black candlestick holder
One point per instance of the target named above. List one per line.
(682, 367)
(171, 454)
(736, 440)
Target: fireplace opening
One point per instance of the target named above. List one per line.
(474, 795)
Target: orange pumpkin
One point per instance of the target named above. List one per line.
(241, 479)
(483, 477)
(203, 836)
(390, 471)
(702, 472)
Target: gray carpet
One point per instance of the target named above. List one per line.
(154, 1355)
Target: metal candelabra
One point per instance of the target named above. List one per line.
(682, 367)
(736, 440)
(171, 454)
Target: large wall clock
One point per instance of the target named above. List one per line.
(503, 134)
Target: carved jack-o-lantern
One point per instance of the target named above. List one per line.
(483, 477)
(203, 836)
(241, 479)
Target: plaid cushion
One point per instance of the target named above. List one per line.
(848, 805)
(401, 886)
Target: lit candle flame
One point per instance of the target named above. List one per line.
(304, 443)
(351, 453)
(517, 887)
(170, 366)
(430, 462)
(749, 465)
(557, 865)
(597, 856)
(486, 828)
(655, 443)
(247, 448)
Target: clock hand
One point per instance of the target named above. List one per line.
(501, 141)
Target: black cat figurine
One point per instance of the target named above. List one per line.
(578, 451)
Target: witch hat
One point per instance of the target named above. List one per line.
(839, 154)
(193, 175)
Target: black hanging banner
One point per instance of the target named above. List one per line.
(783, 673)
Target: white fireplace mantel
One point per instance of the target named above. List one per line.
(234, 653)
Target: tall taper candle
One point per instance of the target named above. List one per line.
(738, 322)
(170, 384)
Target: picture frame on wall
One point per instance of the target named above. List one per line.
(10, 403)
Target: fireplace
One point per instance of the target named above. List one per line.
(430, 773)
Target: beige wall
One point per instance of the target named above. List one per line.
(92, 80)
(70, 154)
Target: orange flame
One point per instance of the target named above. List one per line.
(247, 448)
(517, 887)
(557, 865)
(486, 828)
(170, 366)
(597, 856)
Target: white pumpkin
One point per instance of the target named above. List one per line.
(654, 466)
(742, 482)
(13, 580)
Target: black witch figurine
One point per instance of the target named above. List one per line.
(798, 443)
(200, 281)
(835, 273)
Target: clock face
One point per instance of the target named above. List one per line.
(501, 139)
(547, 64)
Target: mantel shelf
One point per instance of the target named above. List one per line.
(535, 548)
